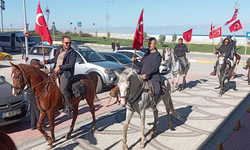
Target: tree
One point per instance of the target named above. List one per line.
(80, 34)
(162, 39)
(145, 36)
(174, 37)
(108, 35)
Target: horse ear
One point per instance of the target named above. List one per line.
(14, 66)
(117, 74)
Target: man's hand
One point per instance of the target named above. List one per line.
(57, 69)
(144, 76)
(133, 59)
(188, 50)
(45, 61)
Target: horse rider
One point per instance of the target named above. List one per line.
(180, 51)
(65, 58)
(234, 49)
(225, 49)
(149, 68)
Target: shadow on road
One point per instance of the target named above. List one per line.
(4, 66)
(69, 146)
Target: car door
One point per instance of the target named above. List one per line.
(80, 65)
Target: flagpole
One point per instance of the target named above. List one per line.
(43, 55)
(245, 46)
(132, 66)
(188, 48)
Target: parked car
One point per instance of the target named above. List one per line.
(119, 58)
(12, 108)
(87, 61)
(10, 41)
(4, 55)
(130, 53)
(143, 49)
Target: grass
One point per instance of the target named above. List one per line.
(206, 48)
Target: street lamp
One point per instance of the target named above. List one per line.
(53, 30)
(107, 16)
(93, 28)
(70, 25)
(2, 7)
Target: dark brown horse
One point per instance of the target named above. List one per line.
(48, 95)
(236, 63)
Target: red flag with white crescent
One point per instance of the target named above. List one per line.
(41, 26)
(187, 36)
(138, 38)
(235, 26)
(217, 33)
(234, 15)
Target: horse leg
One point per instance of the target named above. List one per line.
(75, 114)
(39, 126)
(117, 100)
(142, 128)
(92, 110)
(183, 82)
(169, 106)
(110, 97)
(172, 77)
(51, 115)
(152, 133)
(221, 86)
(177, 80)
(129, 115)
(248, 76)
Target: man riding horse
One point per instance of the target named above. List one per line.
(180, 51)
(225, 49)
(65, 58)
(149, 65)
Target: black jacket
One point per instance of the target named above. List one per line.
(226, 50)
(68, 66)
(153, 74)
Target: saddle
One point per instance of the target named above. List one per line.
(150, 88)
(75, 86)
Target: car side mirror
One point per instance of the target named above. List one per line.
(3, 77)
(79, 60)
(138, 58)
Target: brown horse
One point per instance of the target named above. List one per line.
(48, 96)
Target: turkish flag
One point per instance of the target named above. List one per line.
(235, 26)
(216, 32)
(41, 26)
(138, 38)
(234, 16)
(187, 36)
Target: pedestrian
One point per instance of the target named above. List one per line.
(65, 59)
(149, 68)
(6, 143)
(23, 51)
(34, 111)
(118, 45)
(113, 45)
(180, 51)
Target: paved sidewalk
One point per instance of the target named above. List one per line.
(199, 105)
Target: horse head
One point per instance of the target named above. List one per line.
(19, 79)
(128, 90)
(221, 59)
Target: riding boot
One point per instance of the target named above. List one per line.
(156, 99)
(68, 103)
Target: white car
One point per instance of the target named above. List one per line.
(130, 53)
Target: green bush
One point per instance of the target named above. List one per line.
(162, 39)
(174, 37)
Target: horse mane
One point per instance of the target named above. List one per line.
(43, 74)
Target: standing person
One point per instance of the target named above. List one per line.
(113, 45)
(180, 51)
(34, 111)
(23, 51)
(149, 68)
(118, 45)
(65, 59)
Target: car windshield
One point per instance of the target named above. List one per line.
(122, 58)
(23, 39)
(1, 80)
(92, 56)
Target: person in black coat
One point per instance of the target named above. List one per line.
(118, 45)
(113, 45)
(149, 68)
(65, 59)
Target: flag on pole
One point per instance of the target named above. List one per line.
(187, 36)
(215, 33)
(234, 15)
(235, 26)
(138, 38)
(41, 26)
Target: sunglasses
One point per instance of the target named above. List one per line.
(67, 43)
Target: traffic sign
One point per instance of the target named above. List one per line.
(79, 25)
(248, 34)
(27, 34)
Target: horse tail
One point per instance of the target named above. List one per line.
(94, 77)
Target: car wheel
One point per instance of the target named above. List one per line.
(6, 58)
(99, 85)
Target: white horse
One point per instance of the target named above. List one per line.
(176, 69)
(135, 96)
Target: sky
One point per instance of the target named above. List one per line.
(160, 16)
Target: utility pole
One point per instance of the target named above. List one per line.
(2, 8)
(25, 28)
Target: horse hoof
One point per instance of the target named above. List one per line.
(92, 129)
(219, 95)
(49, 146)
(68, 137)
(48, 138)
(125, 147)
(141, 145)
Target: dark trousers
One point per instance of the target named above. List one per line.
(34, 111)
(63, 83)
(157, 87)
